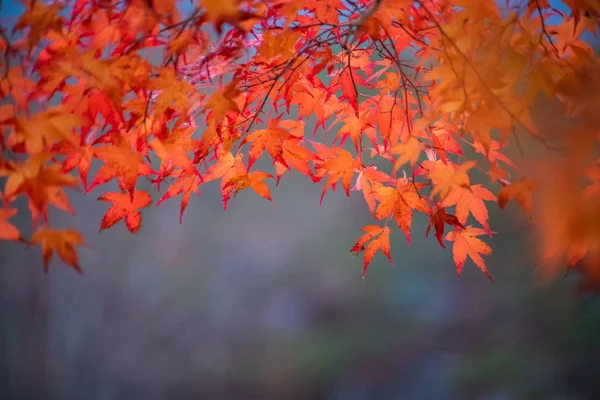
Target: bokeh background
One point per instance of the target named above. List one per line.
(269, 303)
(264, 302)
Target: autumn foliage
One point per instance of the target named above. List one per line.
(418, 106)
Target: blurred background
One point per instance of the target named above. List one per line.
(269, 303)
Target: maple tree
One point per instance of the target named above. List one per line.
(430, 101)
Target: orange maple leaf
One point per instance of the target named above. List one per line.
(443, 136)
(173, 150)
(226, 167)
(398, 202)
(7, 230)
(353, 127)
(447, 177)
(348, 81)
(408, 152)
(40, 18)
(493, 153)
(76, 156)
(278, 44)
(99, 103)
(297, 156)
(185, 184)
(43, 130)
(223, 101)
(470, 200)
(41, 183)
(467, 244)
(370, 180)
(269, 139)
(254, 180)
(172, 92)
(221, 11)
(340, 165)
(315, 102)
(125, 206)
(61, 240)
(120, 162)
(380, 237)
(521, 191)
(294, 152)
(146, 75)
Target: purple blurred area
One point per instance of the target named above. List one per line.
(258, 302)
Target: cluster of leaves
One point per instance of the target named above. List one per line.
(435, 92)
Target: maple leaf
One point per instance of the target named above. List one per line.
(172, 92)
(63, 241)
(222, 101)
(298, 157)
(497, 174)
(99, 103)
(173, 151)
(134, 81)
(76, 156)
(439, 219)
(185, 184)
(289, 138)
(315, 102)
(40, 18)
(380, 240)
(398, 202)
(353, 127)
(470, 201)
(125, 206)
(226, 167)
(107, 33)
(254, 180)
(7, 230)
(493, 153)
(521, 191)
(180, 44)
(17, 85)
(276, 44)
(44, 129)
(447, 177)
(348, 81)
(269, 139)
(41, 183)
(370, 180)
(122, 163)
(443, 136)
(340, 166)
(407, 153)
(466, 244)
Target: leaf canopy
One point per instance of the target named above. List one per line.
(440, 94)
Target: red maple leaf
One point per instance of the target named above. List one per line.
(439, 219)
(125, 206)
